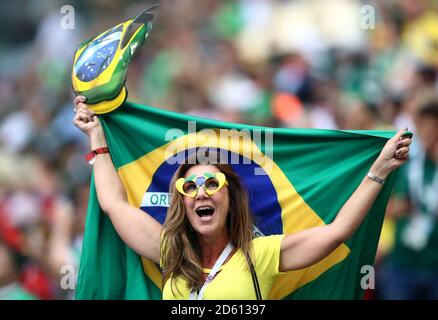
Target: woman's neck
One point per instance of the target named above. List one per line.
(212, 248)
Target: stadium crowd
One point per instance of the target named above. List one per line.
(340, 64)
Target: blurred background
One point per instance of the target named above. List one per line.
(334, 64)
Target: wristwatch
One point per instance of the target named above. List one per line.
(375, 178)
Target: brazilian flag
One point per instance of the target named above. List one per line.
(297, 179)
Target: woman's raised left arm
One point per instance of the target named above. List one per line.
(305, 248)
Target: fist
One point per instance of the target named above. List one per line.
(395, 153)
(85, 119)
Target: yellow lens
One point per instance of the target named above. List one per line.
(189, 187)
(211, 184)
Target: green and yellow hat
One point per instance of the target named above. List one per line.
(101, 63)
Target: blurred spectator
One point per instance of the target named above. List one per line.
(10, 288)
(411, 269)
(359, 115)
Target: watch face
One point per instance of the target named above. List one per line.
(98, 55)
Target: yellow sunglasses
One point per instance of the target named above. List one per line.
(211, 182)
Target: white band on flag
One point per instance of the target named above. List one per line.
(155, 199)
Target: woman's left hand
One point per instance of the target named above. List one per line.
(394, 154)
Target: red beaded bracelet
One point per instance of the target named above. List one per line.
(91, 156)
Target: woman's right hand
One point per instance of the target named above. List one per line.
(85, 119)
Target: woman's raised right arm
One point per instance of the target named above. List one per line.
(138, 230)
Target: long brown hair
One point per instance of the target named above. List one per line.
(180, 251)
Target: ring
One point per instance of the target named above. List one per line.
(74, 110)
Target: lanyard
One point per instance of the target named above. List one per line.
(219, 262)
(422, 195)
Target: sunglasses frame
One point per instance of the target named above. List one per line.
(200, 182)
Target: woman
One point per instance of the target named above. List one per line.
(208, 224)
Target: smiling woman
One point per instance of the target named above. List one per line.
(206, 247)
(199, 225)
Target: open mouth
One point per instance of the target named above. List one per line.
(205, 211)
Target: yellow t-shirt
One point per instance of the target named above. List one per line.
(234, 281)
